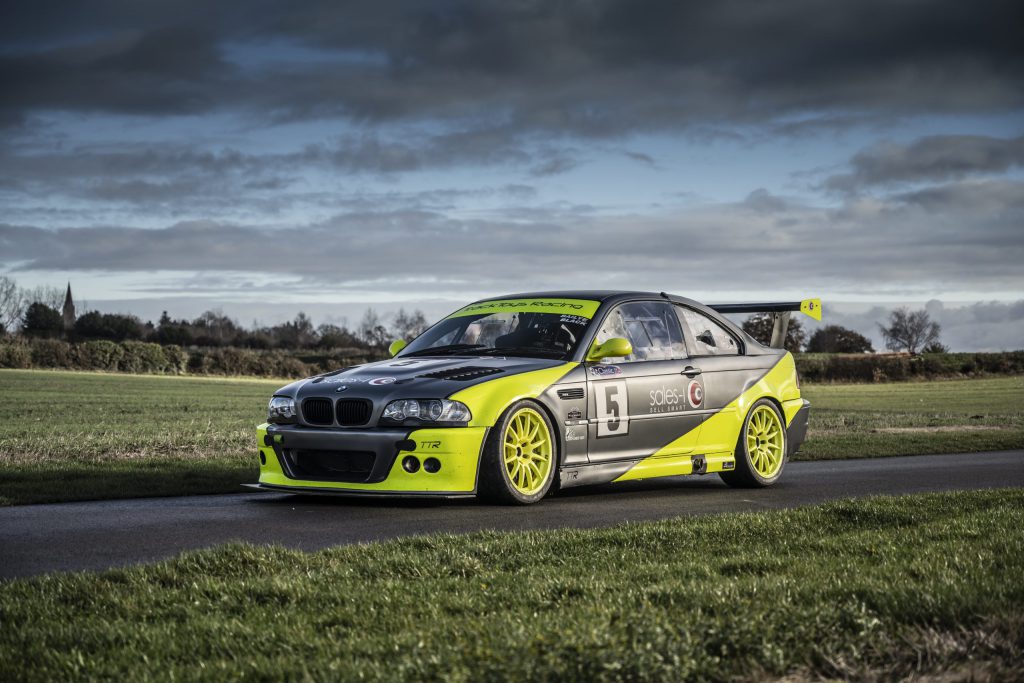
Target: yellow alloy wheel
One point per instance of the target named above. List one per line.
(765, 442)
(527, 451)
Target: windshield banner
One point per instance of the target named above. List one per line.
(580, 307)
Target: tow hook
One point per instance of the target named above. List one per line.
(700, 466)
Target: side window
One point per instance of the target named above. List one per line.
(650, 326)
(711, 339)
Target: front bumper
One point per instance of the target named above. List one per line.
(369, 461)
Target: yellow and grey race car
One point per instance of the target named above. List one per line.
(509, 398)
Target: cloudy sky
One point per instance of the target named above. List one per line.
(265, 157)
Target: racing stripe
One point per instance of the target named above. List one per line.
(720, 431)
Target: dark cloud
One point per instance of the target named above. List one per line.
(139, 173)
(932, 158)
(185, 177)
(641, 158)
(580, 68)
(225, 184)
(170, 70)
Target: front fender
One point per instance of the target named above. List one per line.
(488, 400)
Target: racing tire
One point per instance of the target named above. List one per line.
(520, 459)
(761, 449)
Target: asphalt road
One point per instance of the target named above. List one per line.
(36, 539)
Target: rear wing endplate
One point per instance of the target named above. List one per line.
(780, 314)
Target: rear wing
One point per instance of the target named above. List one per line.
(780, 314)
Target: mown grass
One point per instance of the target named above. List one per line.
(876, 588)
(80, 436)
(912, 418)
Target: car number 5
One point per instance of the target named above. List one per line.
(612, 408)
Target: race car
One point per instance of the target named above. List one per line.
(512, 397)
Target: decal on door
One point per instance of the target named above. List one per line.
(696, 393)
(666, 400)
(612, 409)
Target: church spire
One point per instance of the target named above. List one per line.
(69, 310)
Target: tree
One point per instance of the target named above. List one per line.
(113, 326)
(408, 326)
(759, 326)
(298, 334)
(372, 331)
(12, 304)
(213, 328)
(838, 339)
(43, 294)
(42, 321)
(336, 337)
(170, 331)
(910, 330)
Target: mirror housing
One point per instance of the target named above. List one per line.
(706, 337)
(396, 347)
(612, 348)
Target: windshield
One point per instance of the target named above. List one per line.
(542, 328)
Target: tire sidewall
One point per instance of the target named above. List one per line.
(764, 481)
(496, 454)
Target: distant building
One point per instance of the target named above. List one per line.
(69, 310)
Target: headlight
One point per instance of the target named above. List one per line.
(281, 410)
(426, 410)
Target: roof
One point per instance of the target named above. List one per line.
(588, 294)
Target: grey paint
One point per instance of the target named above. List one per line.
(636, 412)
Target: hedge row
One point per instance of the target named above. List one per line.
(888, 367)
(148, 358)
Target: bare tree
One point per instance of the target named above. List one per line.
(910, 330)
(408, 326)
(11, 305)
(372, 331)
(52, 297)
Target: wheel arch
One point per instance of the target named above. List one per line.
(557, 436)
(775, 400)
(548, 413)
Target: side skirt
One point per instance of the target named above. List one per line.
(644, 468)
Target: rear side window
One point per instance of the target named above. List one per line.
(710, 338)
(650, 326)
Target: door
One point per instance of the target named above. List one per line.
(638, 403)
(723, 378)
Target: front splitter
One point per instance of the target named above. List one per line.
(314, 491)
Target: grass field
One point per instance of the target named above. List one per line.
(912, 418)
(80, 436)
(75, 436)
(876, 589)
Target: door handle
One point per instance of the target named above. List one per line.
(690, 371)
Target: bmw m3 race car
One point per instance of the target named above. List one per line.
(508, 398)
